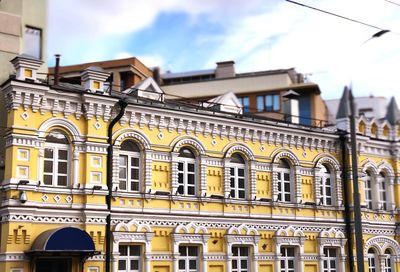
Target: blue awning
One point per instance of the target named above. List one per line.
(64, 240)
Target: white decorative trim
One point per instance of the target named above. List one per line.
(74, 132)
(282, 153)
(381, 243)
(129, 133)
(179, 142)
(241, 148)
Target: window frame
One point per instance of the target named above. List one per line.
(324, 176)
(382, 193)
(56, 147)
(284, 258)
(275, 107)
(370, 257)
(184, 183)
(130, 155)
(388, 261)
(188, 258)
(368, 197)
(327, 259)
(245, 101)
(281, 193)
(236, 177)
(239, 258)
(129, 258)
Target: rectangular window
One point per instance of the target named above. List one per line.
(245, 103)
(284, 186)
(188, 259)
(33, 42)
(240, 259)
(129, 258)
(55, 165)
(187, 177)
(330, 260)
(238, 182)
(269, 103)
(288, 259)
(129, 172)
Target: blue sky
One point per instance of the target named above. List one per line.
(182, 35)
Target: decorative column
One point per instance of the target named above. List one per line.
(148, 165)
(40, 162)
(75, 165)
(227, 177)
(203, 176)
(390, 195)
(339, 188)
(252, 180)
(274, 181)
(115, 167)
(297, 179)
(174, 172)
(317, 184)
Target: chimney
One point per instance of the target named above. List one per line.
(57, 69)
(225, 69)
(26, 67)
(93, 78)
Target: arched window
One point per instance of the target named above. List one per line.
(238, 176)
(186, 172)
(372, 260)
(368, 190)
(382, 194)
(388, 261)
(326, 186)
(56, 159)
(129, 167)
(284, 182)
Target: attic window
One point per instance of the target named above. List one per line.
(28, 73)
(96, 85)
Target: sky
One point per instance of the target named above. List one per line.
(187, 35)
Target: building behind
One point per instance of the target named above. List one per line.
(192, 189)
(279, 94)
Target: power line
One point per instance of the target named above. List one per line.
(391, 2)
(336, 15)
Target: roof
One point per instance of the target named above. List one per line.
(393, 114)
(344, 105)
(108, 64)
(188, 74)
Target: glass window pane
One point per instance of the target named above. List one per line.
(180, 166)
(134, 264)
(134, 250)
(134, 161)
(123, 160)
(135, 186)
(62, 167)
(180, 178)
(241, 183)
(62, 181)
(48, 153)
(48, 179)
(268, 103)
(234, 264)
(48, 166)
(182, 250)
(122, 185)
(244, 251)
(191, 179)
(276, 103)
(122, 265)
(180, 190)
(134, 173)
(192, 264)
(241, 172)
(286, 176)
(192, 251)
(191, 191)
(260, 103)
(242, 194)
(235, 251)
(122, 173)
(181, 264)
(190, 167)
(62, 154)
(243, 264)
(123, 250)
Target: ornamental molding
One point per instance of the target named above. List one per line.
(187, 228)
(241, 148)
(13, 257)
(42, 99)
(139, 227)
(369, 165)
(129, 133)
(72, 131)
(327, 159)
(182, 141)
(381, 243)
(283, 153)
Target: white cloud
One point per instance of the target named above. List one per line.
(152, 61)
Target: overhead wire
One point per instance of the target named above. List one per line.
(341, 16)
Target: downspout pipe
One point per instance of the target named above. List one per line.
(347, 213)
(122, 104)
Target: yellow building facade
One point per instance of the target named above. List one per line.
(193, 189)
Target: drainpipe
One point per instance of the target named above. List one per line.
(122, 104)
(347, 214)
